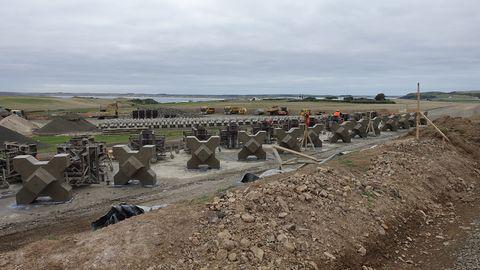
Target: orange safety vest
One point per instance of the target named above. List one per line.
(337, 114)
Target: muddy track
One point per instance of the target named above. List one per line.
(18, 234)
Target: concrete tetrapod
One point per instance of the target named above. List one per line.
(42, 178)
(289, 139)
(203, 152)
(134, 165)
(390, 123)
(403, 121)
(252, 145)
(342, 132)
(360, 128)
(314, 134)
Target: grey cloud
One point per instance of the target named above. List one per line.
(217, 47)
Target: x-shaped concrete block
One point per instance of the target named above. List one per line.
(134, 165)
(376, 125)
(42, 178)
(342, 132)
(252, 145)
(289, 139)
(203, 152)
(314, 134)
(403, 121)
(360, 128)
(390, 123)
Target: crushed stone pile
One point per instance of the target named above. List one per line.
(335, 216)
(462, 132)
(67, 124)
(18, 124)
(8, 135)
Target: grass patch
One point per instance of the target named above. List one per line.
(347, 162)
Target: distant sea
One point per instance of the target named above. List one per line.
(157, 99)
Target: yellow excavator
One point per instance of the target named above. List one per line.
(109, 111)
(234, 110)
(207, 110)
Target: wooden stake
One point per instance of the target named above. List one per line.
(418, 112)
(294, 152)
(439, 131)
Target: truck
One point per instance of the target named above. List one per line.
(234, 110)
(207, 110)
(276, 110)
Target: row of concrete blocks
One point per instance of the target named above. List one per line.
(365, 126)
(185, 122)
(46, 178)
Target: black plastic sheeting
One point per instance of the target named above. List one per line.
(117, 213)
(249, 177)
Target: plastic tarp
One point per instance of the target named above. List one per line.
(117, 213)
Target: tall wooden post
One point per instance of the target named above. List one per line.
(418, 112)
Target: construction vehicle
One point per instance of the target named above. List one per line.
(234, 110)
(109, 111)
(207, 110)
(275, 110)
(305, 111)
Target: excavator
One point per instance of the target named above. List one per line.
(234, 110)
(275, 110)
(207, 110)
(109, 111)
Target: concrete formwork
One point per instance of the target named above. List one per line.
(42, 178)
(252, 145)
(203, 152)
(134, 165)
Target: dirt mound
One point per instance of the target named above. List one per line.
(67, 124)
(462, 132)
(320, 217)
(18, 124)
(8, 135)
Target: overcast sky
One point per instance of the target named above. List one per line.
(242, 46)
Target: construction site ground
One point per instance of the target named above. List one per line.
(175, 184)
(389, 204)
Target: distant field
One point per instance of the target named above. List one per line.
(90, 106)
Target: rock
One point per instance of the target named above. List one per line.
(282, 214)
(232, 257)
(289, 246)
(221, 254)
(308, 196)
(248, 218)
(224, 235)
(362, 251)
(245, 244)
(301, 188)
(281, 237)
(313, 265)
(258, 252)
(228, 244)
(329, 255)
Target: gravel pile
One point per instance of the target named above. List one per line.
(8, 135)
(67, 124)
(18, 124)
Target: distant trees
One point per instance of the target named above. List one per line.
(380, 97)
